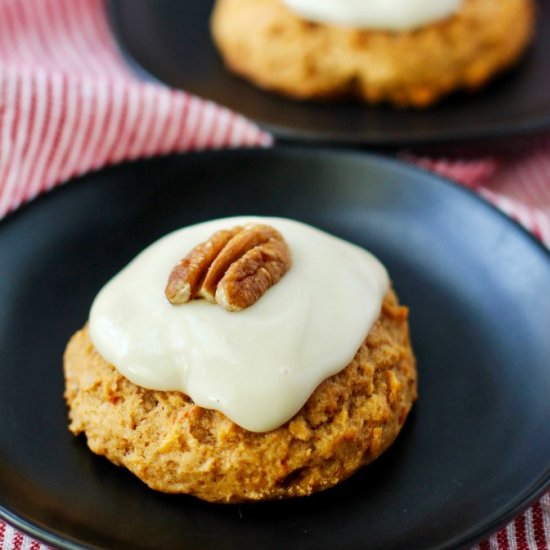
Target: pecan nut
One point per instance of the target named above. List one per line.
(234, 268)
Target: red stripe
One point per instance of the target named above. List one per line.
(484, 545)
(2, 532)
(538, 527)
(502, 539)
(17, 540)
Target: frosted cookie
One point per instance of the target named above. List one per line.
(273, 361)
(406, 52)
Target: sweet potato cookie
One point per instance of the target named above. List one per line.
(265, 42)
(178, 447)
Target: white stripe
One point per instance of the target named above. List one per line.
(8, 539)
(530, 528)
(27, 541)
(545, 504)
(493, 544)
(513, 535)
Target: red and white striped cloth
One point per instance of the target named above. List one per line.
(69, 104)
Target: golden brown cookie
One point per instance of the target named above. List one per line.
(176, 446)
(265, 42)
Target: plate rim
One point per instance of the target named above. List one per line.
(478, 532)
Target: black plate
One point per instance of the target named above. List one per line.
(475, 451)
(171, 40)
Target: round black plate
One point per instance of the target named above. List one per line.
(474, 452)
(171, 40)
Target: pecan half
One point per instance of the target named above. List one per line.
(234, 268)
(186, 278)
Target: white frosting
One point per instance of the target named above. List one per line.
(257, 366)
(375, 14)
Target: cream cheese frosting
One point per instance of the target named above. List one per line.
(257, 366)
(375, 14)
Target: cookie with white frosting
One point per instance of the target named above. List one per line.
(409, 53)
(297, 374)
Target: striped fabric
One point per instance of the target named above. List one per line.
(517, 183)
(69, 105)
